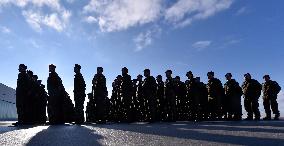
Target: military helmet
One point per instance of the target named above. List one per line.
(169, 71)
(147, 70)
(52, 65)
(189, 72)
(247, 74)
(78, 66)
(125, 68)
(140, 76)
(228, 74)
(266, 76)
(23, 66)
(210, 73)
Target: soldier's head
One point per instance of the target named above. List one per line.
(39, 81)
(52, 68)
(169, 73)
(30, 73)
(189, 75)
(77, 68)
(228, 76)
(177, 78)
(197, 79)
(22, 68)
(119, 77)
(124, 71)
(247, 76)
(139, 77)
(100, 70)
(35, 77)
(210, 75)
(159, 78)
(147, 72)
(266, 78)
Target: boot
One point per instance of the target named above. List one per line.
(276, 116)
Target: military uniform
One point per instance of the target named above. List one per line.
(233, 93)
(100, 96)
(170, 99)
(161, 115)
(270, 90)
(251, 90)
(215, 96)
(149, 93)
(79, 97)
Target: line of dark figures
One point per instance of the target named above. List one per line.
(142, 100)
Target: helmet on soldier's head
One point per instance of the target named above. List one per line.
(139, 76)
(189, 72)
(266, 76)
(77, 66)
(247, 75)
(22, 66)
(52, 66)
(169, 71)
(147, 70)
(210, 73)
(125, 69)
(228, 75)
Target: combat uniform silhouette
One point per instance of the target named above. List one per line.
(181, 100)
(233, 93)
(126, 94)
(79, 94)
(251, 90)
(161, 115)
(138, 100)
(90, 109)
(42, 103)
(215, 96)
(149, 93)
(100, 94)
(202, 94)
(170, 96)
(60, 107)
(270, 90)
(193, 103)
(22, 94)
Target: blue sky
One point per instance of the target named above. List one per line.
(236, 36)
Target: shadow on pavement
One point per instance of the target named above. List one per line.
(65, 135)
(201, 131)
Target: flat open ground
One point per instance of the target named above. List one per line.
(266, 133)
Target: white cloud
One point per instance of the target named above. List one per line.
(36, 20)
(5, 29)
(241, 11)
(90, 19)
(183, 12)
(145, 39)
(200, 45)
(33, 11)
(115, 15)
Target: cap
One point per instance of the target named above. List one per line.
(23, 66)
(266, 76)
(52, 65)
(169, 71)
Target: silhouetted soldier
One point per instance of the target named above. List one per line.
(56, 98)
(42, 103)
(170, 97)
(100, 96)
(126, 93)
(138, 100)
(149, 92)
(117, 100)
(233, 93)
(252, 90)
(270, 90)
(21, 94)
(203, 98)
(215, 96)
(161, 115)
(180, 90)
(90, 109)
(79, 94)
(193, 97)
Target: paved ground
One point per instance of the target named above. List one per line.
(180, 133)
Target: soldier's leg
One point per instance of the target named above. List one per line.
(255, 108)
(274, 107)
(266, 105)
(248, 108)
